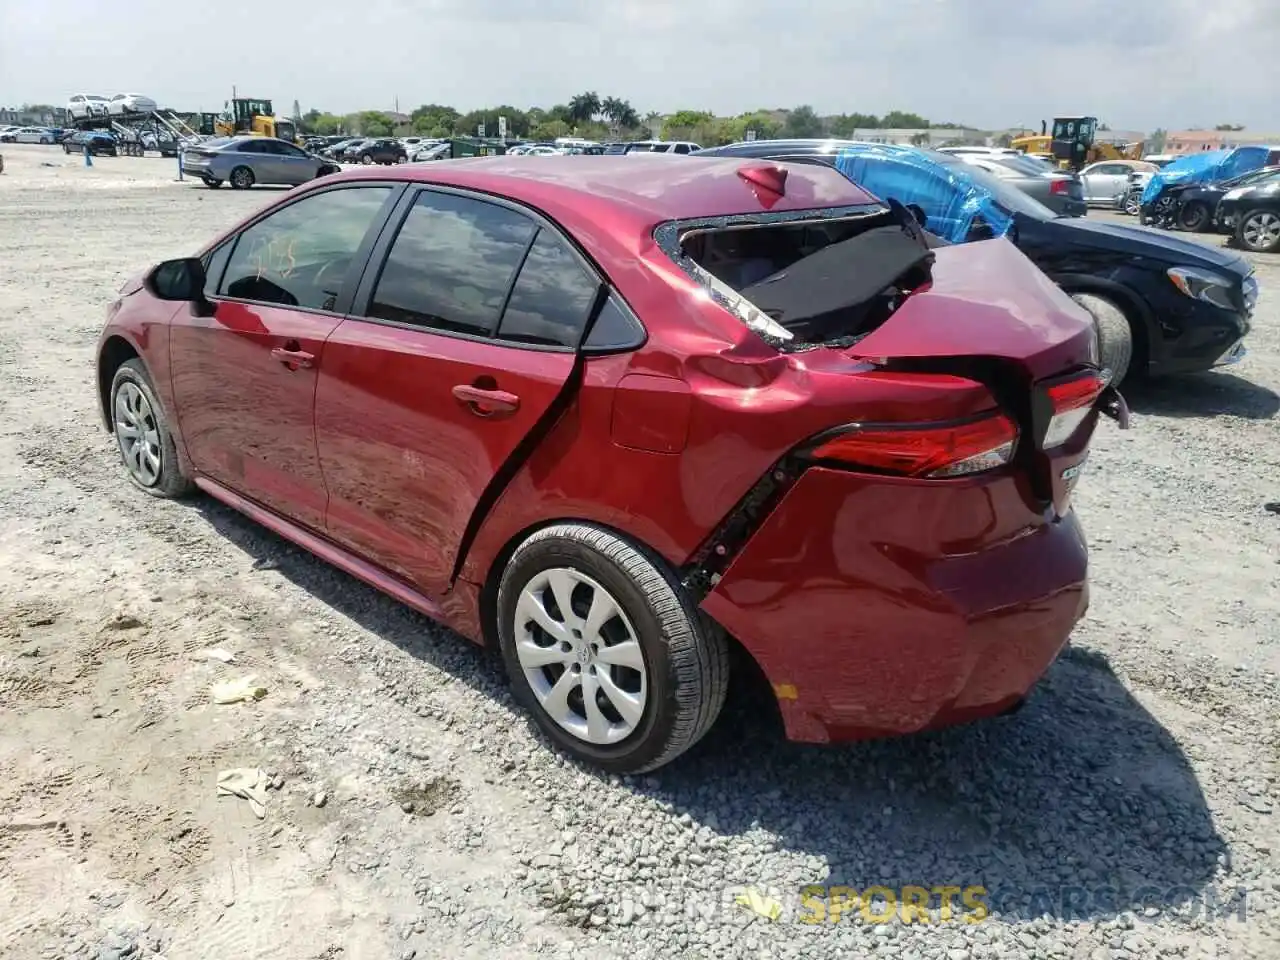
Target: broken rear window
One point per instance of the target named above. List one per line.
(801, 279)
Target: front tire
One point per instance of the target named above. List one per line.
(1193, 217)
(1133, 203)
(213, 183)
(606, 651)
(142, 434)
(241, 178)
(1115, 335)
(1258, 231)
(367, 159)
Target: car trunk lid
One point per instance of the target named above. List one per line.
(990, 316)
(988, 301)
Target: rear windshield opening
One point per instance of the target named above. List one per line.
(807, 282)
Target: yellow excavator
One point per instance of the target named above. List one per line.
(245, 116)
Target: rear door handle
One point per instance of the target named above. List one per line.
(293, 359)
(486, 403)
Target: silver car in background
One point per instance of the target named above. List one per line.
(244, 161)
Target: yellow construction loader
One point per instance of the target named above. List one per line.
(244, 116)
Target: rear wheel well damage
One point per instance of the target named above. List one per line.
(115, 352)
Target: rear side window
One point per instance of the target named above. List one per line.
(552, 296)
(300, 256)
(451, 265)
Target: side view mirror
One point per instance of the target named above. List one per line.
(179, 281)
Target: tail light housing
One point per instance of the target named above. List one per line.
(932, 450)
(1071, 402)
(1059, 188)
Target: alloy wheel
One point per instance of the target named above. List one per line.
(581, 656)
(1261, 231)
(138, 434)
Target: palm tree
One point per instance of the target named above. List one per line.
(620, 113)
(584, 107)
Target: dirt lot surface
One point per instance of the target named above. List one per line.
(411, 811)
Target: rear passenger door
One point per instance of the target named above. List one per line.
(463, 334)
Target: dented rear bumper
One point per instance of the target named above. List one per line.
(878, 606)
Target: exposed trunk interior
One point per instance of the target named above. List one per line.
(824, 281)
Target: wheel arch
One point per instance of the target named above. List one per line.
(115, 351)
(1135, 309)
(747, 677)
(492, 577)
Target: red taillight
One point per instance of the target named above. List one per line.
(926, 450)
(1058, 187)
(1072, 401)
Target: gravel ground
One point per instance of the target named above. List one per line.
(1128, 811)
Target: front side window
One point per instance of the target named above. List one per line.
(451, 264)
(300, 256)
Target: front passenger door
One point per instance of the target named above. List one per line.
(244, 379)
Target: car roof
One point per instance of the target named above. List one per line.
(646, 190)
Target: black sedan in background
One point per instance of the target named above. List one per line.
(1196, 204)
(1163, 304)
(101, 144)
(1058, 190)
(1251, 213)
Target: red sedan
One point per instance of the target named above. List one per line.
(619, 416)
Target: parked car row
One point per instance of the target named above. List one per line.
(1235, 192)
(14, 134)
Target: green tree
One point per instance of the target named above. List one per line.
(620, 113)
(549, 130)
(433, 120)
(1155, 144)
(585, 107)
(321, 124)
(901, 120)
(802, 123)
(1230, 126)
(373, 123)
(845, 124)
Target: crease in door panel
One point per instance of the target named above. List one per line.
(528, 443)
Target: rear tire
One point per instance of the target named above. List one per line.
(142, 433)
(241, 178)
(1193, 217)
(654, 653)
(1115, 335)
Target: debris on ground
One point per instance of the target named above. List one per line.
(248, 783)
(238, 691)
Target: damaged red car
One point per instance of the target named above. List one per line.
(621, 417)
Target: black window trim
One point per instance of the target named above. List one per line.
(359, 259)
(377, 261)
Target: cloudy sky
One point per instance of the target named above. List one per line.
(1136, 64)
